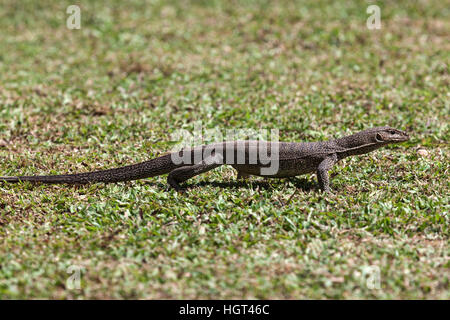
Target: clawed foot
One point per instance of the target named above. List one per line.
(326, 191)
(175, 185)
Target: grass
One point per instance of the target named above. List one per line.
(114, 92)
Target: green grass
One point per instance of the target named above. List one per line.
(115, 91)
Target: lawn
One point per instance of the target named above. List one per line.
(115, 91)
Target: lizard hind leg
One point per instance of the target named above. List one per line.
(184, 173)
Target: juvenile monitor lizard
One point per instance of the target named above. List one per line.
(247, 157)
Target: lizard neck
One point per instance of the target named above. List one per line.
(355, 144)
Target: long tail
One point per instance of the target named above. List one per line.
(151, 168)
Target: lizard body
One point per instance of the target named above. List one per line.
(261, 158)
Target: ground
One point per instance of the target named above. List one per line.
(117, 90)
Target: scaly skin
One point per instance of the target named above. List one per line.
(247, 157)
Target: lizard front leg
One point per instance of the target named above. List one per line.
(186, 172)
(322, 172)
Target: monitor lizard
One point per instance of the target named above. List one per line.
(291, 159)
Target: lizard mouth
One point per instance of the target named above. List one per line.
(405, 136)
(401, 136)
(392, 136)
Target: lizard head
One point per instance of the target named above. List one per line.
(386, 135)
(370, 139)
